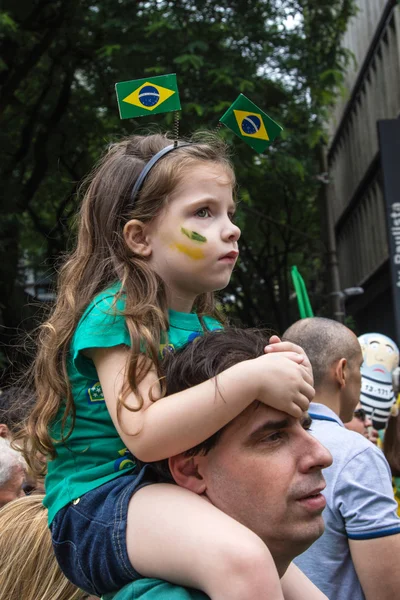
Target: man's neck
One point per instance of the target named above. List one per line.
(332, 401)
(283, 556)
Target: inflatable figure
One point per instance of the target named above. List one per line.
(381, 357)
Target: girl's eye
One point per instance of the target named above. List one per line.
(203, 213)
(232, 217)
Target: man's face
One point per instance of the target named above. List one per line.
(265, 472)
(13, 488)
(360, 421)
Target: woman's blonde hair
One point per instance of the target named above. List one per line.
(101, 258)
(28, 566)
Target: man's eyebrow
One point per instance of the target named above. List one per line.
(306, 421)
(267, 427)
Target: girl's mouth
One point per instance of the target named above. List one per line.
(230, 257)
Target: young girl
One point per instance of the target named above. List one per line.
(156, 238)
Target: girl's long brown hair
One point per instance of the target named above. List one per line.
(101, 258)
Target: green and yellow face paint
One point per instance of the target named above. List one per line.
(193, 251)
(193, 235)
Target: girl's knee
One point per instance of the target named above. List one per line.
(247, 570)
(248, 554)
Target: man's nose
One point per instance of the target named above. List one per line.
(316, 456)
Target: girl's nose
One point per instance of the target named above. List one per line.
(231, 232)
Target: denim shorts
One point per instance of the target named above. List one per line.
(89, 535)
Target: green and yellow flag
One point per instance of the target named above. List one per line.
(142, 97)
(301, 293)
(251, 124)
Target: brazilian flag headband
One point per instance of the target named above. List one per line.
(142, 97)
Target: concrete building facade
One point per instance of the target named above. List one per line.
(356, 192)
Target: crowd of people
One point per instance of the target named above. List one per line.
(184, 458)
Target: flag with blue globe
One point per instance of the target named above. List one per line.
(141, 97)
(251, 124)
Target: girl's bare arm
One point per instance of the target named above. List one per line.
(178, 422)
(296, 586)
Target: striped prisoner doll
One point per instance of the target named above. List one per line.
(381, 357)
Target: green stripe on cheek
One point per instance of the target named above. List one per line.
(193, 235)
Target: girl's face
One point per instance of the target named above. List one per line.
(193, 241)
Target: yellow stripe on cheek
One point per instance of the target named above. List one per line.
(195, 253)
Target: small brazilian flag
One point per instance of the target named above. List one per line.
(251, 124)
(142, 97)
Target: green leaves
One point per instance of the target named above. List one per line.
(188, 61)
(7, 25)
(108, 51)
(60, 64)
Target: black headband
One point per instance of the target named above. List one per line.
(147, 168)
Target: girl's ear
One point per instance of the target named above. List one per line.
(186, 472)
(135, 237)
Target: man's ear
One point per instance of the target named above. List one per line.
(341, 372)
(186, 472)
(136, 238)
(4, 431)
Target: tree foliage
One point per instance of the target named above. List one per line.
(60, 61)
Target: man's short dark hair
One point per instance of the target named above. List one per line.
(204, 358)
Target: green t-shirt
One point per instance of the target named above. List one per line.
(94, 453)
(155, 589)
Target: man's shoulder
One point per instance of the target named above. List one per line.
(333, 433)
(359, 468)
(352, 453)
(336, 431)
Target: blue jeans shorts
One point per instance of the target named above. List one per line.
(89, 535)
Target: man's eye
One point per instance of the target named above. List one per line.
(203, 213)
(273, 437)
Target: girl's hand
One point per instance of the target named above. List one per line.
(276, 345)
(283, 381)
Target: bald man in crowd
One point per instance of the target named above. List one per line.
(357, 556)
